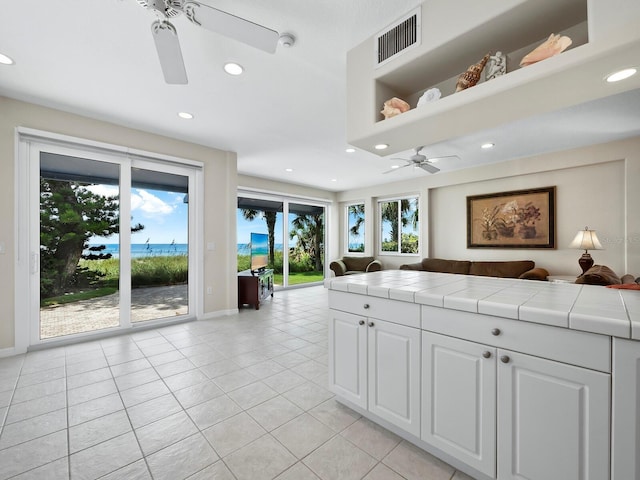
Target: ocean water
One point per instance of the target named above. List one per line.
(158, 249)
(139, 250)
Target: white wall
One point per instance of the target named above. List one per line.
(220, 184)
(597, 186)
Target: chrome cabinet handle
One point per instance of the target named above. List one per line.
(371, 324)
(495, 332)
(486, 354)
(366, 306)
(361, 322)
(505, 359)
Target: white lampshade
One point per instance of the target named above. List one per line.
(586, 240)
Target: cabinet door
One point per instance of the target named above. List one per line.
(394, 374)
(348, 357)
(459, 399)
(553, 420)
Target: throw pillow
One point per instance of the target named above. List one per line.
(626, 286)
(599, 275)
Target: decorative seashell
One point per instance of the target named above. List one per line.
(472, 75)
(394, 106)
(552, 46)
(430, 95)
(496, 66)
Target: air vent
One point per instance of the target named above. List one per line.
(398, 37)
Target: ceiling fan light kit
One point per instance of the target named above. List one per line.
(166, 40)
(420, 161)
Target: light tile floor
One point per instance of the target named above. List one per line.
(241, 397)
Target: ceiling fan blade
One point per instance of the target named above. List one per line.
(444, 156)
(165, 37)
(394, 169)
(231, 26)
(427, 167)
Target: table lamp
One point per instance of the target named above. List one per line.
(586, 240)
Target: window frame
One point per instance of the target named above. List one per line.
(398, 200)
(347, 229)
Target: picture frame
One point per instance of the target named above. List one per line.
(515, 219)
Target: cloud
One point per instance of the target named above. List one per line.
(149, 204)
(105, 190)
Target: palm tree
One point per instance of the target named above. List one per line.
(409, 214)
(309, 229)
(356, 211)
(270, 217)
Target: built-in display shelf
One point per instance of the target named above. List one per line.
(571, 78)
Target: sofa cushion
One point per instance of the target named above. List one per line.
(357, 263)
(445, 266)
(599, 275)
(511, 269)
(535, 274)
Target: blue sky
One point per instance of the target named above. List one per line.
(163, 214)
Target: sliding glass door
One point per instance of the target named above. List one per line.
(79, 287)
(110, 241)
(306, 243)
(296, 246)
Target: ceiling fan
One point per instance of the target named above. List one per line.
(420, 161)
(165, 34)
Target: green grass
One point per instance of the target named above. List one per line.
(77, 296)
(299, 278)
(152, 271)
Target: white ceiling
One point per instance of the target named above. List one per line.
(97, 58)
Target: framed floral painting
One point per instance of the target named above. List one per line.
(517, 219)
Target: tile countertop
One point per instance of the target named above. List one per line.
(589, 308)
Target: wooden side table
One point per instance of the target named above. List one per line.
(254, 288)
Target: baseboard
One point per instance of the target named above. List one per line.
(8, 352)
(219, 313)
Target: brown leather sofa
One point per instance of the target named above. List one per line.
(349, 265)
(524, 269)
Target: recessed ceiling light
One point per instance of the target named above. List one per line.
(288, 169)
(185, 115)
(487, 145)
(5, 60)
(334, 179)
(395, 166)
(233, 68)
(621, 75)
(381, 146)
(350, 150)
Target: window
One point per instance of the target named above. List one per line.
(296, 236)
(355, 228)
(399, 225)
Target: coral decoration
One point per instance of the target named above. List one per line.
(554, 45)
(394, 106)
(429, 96)
(469, 78)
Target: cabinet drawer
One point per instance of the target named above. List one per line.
(394, 311)
(584, 349)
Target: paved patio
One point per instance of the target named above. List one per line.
(103, 312)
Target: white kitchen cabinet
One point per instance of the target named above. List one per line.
(625, 462)
(348, 356)
(394, 373)
(459, 399)
(475, 397)
(374, 363)
(553, 420)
